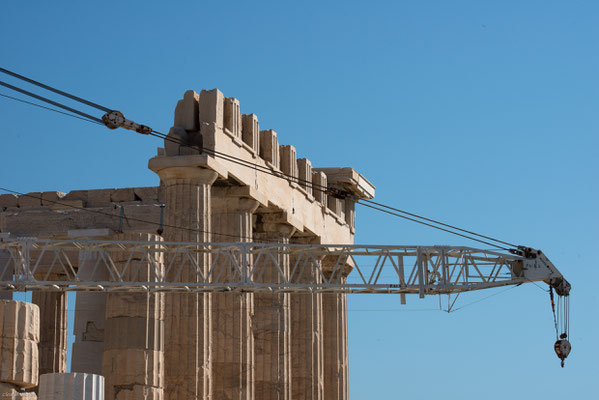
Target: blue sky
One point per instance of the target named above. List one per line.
(482, 114)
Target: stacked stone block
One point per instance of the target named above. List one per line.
(133, 359)
(232, 117)
(251, 132)
(212, 108)
(319, 182)
(288, 161)
(269, 147)
(304, 170)
(72, 386)
(186, 112)
(19, 337)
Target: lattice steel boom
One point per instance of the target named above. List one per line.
(39, 264)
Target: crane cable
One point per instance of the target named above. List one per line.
(439, 223)
(561, 319)
(49, 109)
(54, 103)
(331, 191)
(57, 91)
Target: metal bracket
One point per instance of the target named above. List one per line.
(115, 119)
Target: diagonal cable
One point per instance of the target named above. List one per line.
(57, 91)
(54, 103)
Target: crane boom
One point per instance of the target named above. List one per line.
(338, 268)
(70, 265)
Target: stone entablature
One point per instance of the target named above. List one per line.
(55, 214)
(214, 123)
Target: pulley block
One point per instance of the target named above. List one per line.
(562, 349)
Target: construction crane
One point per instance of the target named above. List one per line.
(34, 264)
(338, 268)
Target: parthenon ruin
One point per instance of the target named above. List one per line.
(196, 345)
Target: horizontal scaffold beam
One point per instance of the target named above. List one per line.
(64, 265)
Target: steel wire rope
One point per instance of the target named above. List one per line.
(54, 103)
(57, 91)
(432, 226)
(439, 223)
(50, 109)
(242, 162)
(483, 299)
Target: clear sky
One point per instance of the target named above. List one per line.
(482, 114)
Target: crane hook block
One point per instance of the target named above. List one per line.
(115, 119)
(562, 349)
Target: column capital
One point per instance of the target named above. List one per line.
(273, 231)
(341, 265)
(198, 167)
(178, 174)
(233, 204)
(273, 226)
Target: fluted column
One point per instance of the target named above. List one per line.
(53, 330)
(272, 320)
(336, 386)
(133, 359)
(307, 361)
(90, 317)
(233, 344)
(188, 332)
(73, 386)
(5, 273)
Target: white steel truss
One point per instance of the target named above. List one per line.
(40, 264)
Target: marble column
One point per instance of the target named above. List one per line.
(307, 361)
(272, 320)
(90, 317)
(188, 331)
(233, 344)
(53, 330)
(72, 386)
(133, 359)
(336, 357)
(6, 268)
